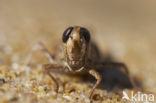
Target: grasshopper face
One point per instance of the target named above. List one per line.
(76, 42)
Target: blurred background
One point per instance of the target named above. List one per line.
(125, 29)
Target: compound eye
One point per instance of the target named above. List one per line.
(66, 34)
(85, 33)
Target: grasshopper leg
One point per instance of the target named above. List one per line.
(39, 46)
(48, 68)
(98, 77)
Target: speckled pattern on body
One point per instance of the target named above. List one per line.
(124, 31)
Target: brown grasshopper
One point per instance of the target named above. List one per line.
(79, 56)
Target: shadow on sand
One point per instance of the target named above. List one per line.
(112, 77)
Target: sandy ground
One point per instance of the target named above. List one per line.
(123, 30)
